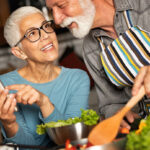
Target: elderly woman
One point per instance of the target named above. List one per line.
(42, 91)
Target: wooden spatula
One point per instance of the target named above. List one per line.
(107, 130)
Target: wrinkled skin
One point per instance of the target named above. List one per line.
(143, 78)
(7, 107)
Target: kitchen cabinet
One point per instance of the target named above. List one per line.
(4, 13)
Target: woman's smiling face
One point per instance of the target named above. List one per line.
(46, 48)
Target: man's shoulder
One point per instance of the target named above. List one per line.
(140, 13)
(90, 42)
(139, 4)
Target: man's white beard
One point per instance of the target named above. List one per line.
(84, 21)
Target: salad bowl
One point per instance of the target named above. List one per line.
(72, 129)
(72, 132)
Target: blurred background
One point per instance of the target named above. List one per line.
(70, 48)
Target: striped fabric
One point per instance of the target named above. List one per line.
(123, 58)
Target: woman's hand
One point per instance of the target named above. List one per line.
(7, 116)
(7, 107)
(26, 94)
(143, 78)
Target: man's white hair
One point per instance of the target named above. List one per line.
(11, 28)
(84, 21)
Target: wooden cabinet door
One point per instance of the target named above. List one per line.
(4, 14)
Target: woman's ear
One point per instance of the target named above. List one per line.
(16, 51)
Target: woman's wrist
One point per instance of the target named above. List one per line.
(11, 128)
(47, 108)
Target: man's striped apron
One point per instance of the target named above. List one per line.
(123, 58)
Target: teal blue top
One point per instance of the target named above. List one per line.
(68, 92)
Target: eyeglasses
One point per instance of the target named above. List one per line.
(35, 34)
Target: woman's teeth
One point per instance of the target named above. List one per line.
(47, 47)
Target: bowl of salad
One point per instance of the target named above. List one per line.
(72, 129)
(140, 138)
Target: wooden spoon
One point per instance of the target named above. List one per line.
(107, 130)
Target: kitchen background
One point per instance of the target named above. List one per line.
(70, 48)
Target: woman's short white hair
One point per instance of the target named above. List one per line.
(11, 28)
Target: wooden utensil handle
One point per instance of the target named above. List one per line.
(134, 100)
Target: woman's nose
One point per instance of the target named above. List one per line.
(44, 35)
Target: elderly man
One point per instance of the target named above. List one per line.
(101, 22)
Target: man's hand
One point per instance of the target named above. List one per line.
(130, 117)
(143, 78)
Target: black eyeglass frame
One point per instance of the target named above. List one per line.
(25, 36)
